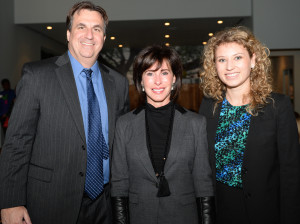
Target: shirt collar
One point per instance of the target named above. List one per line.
(77, 67)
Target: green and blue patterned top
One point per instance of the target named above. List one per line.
(231, 137)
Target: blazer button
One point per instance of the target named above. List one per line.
(83, 148)
(81, 174)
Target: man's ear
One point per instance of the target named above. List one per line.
(68, 35)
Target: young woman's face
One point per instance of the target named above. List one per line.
(233, 64)
(158, 84)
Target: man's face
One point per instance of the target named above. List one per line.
(86, 37)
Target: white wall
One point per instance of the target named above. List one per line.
(43, 11)
(19, 45)
(277, 23)
(7, 40)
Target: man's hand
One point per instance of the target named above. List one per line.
(15, 215)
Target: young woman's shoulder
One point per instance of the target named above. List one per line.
(279, 100)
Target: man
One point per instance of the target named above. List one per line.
(54, 167)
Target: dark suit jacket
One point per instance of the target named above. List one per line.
(43, 161)
(271, 164)
(187, 170)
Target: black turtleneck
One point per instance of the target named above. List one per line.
(158, 120)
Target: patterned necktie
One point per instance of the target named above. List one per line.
(97, 149)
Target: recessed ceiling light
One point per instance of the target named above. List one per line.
(210, 34)
(167, 44)
(49, 27)
(167, 24)
(204, 42)
(220, 21)
(112, 38)
(167, 36)
(120, 45)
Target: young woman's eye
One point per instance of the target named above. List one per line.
(165, 73)
(238, 57)
(149, 73)
(221, 60)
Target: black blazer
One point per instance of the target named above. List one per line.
(43, 161)
(271, 164)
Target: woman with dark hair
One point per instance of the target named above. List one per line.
(160, 168)
(252, 133)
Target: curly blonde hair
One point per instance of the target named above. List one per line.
(260, 78)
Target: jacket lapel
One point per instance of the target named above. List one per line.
(212, 125)
(179, 127)
(141, 143)
(66, 80)
(110, 90)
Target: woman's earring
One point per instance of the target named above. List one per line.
(143, 89)
(172, 88)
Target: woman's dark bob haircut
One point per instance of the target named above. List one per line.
(149, 56)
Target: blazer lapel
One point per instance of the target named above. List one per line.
(255, 128)
(179, 127)
(211, 127)
(141, 143)
(66, 80)
(110, 90)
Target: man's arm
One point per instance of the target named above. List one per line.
(16, 151)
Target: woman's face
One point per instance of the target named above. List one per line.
(158, 83)
(233, 64)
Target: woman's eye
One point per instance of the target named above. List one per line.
(238, 57)
(221, 60)
(165, 73)
(149, 73)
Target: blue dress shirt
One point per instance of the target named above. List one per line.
(80, 79)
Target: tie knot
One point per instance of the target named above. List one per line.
(88, 72)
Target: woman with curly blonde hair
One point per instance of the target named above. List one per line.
(252, 133)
